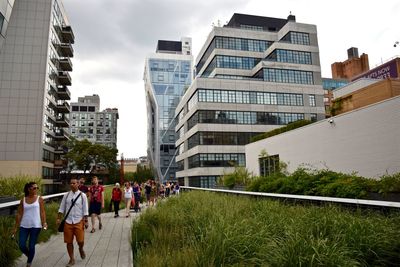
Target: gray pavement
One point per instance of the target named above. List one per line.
(107, 247)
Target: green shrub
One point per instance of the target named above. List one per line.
(240, 176)
(14, 186)
(288, 127)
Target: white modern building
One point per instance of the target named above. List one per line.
(88, 122)
(365, 141)
(167, 74)
(34, 71)
(253, 75)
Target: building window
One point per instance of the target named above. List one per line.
(312, 100)
(268, 165)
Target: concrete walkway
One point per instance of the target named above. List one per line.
(107, 247)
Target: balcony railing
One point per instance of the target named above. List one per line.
(67, 34)
(64, 50)
(65, 64)
(63, 107)
(62, 120)
(60, 163)
(63, 92)
(63, 78)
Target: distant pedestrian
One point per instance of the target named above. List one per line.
(147, 191)
(96, 195)
(30, 219)
(76, 203)
(167, 189)
(116, 196)
(82, 187)
(177, 188)
(137, 195)
(128, 194)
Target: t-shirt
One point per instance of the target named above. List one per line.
(96, 193)
(128, 192)
(147, 188)
(116, 194)
(83, 188)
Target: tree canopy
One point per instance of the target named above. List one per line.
(84, 155)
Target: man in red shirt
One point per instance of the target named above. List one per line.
(96, 196)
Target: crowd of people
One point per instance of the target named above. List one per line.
(75, 208)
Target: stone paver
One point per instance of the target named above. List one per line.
(107, 247)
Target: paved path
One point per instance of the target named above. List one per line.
(107, 247)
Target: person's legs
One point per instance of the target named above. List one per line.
(80, 238)
(128, 206)
(70, 249)
(116, 208)
(99, 218)
(33, 237)
(23, 236)
(92, 216)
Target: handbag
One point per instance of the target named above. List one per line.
(62, 223)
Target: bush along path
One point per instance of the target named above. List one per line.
(210, 229)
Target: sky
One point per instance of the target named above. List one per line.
(113, 38)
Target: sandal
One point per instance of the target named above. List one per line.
(93, 230)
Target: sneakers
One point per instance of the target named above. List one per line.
(116, 215)
(70, 263)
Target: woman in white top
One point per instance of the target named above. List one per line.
(128, 193)
(30, 219)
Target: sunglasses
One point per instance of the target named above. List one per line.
(34, 188)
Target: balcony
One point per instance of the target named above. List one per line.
(61, 134)
(62, 120)
(60, 163)
(63, 78)
(60, 149)
(64, 50)
(65, 64)
(67, 34)
(63, 107)
(63, 93)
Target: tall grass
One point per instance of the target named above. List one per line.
(14, 186)
(208, 229)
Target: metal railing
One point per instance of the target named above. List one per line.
(333, 200)
(12, 205)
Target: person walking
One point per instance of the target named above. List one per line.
(128, 193)
(116, 196)
(147, 191)
(76, 203)
(82, 187)
(96, 195)
(30, 219)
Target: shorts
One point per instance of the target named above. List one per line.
(95, 207)
(77, 230)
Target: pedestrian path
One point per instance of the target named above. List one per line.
(107, 247)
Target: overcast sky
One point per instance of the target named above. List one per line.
(113, 38)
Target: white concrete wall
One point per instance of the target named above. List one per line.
(366, 141)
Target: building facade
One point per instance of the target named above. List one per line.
(365, 141)
(167, 74)
(364, 92)
(34, 73)
(6, 7)
(329, 85)
(88, 122)
(254, 74)
(353, 66)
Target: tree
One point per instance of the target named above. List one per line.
(83, 155)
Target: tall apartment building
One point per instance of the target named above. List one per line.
(353, 66)
(254, 74)
(88, 122)
(34, 65)
(167, 74)
(6, 7)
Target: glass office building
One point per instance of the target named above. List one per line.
(167, 75)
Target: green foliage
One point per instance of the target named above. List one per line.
(142, 174)
(14, 186)
(83, 154)
(325, 183)
(208, 229)
(289, 127)
(240, 176)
